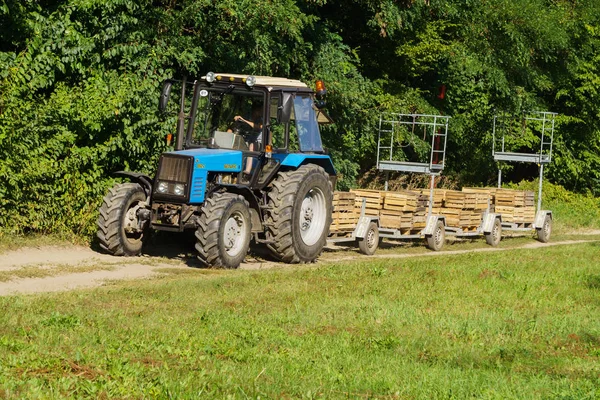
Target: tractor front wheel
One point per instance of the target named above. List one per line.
(299, 214)
(120, 231)
(224, 230)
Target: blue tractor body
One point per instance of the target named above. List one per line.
(209, 160)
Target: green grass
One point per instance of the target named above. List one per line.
(514, 324)
(9, 242)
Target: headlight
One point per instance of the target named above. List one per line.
(250, 81)
(163, 187)
(210, 77)
(179, 188)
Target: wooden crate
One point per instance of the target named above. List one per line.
(419, 220)
(476, 201)
(524, 214)
(395, 219)
(373, 201)
(439, 195)
(400, 201)
(344, 215)
(490, 192)
(514, 198)
(454, 199)
(507, 212)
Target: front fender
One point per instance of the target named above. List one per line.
(144, 180)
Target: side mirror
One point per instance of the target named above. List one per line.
(164, 96)
(285, 107)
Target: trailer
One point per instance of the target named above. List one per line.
(425, 136)
(509, 134)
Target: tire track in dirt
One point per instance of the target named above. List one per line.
(147, 267)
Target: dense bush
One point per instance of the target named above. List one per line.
(79, 83)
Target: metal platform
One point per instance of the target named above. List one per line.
(522, 157)
(403, 166)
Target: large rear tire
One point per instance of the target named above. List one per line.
(224, 230)
(119, 229)
(493, 238)
(299, 214)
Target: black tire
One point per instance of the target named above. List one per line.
(224, 230)
(369, 244)
(118, 231)
(435, 241)
(304, 193)
(544, 232)
(493, 238)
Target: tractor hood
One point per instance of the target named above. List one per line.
(214, 160)
(192, 174)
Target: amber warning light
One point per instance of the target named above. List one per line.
(321, 91)
(320, 94)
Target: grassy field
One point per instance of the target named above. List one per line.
(512, 324)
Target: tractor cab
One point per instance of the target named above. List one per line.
(248, 164)
(265, 118)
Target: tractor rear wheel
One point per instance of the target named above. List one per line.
(299, 214)
(224, 230)
(119, 229)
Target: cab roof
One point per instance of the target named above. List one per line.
(260, 80)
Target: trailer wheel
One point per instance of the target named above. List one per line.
(544, 232)
(369, 244)
(299, 214)
(493, 238)
(119, 230)
(435, 241)
(224, 230)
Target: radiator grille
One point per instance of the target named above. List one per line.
(175, 168)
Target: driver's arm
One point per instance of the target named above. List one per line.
(239, 118)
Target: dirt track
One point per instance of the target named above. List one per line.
(60, 268)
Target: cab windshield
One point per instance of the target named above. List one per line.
(229, 118)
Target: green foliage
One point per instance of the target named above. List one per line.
(79, 84)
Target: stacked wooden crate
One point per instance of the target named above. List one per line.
(420, 214)
(344, 215)
(464, 209)
(398, 210)
(373, 201)
(517, 206)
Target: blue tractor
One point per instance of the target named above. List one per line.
(248, 164)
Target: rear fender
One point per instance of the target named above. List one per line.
(296, 160)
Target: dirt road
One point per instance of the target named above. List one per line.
(60, 268)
